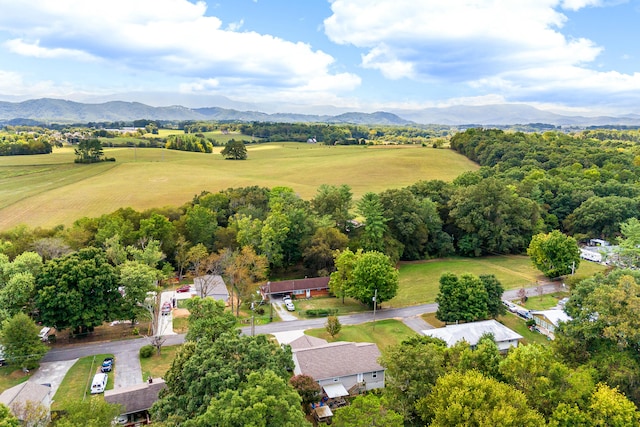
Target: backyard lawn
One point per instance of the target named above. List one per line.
(157, 366)
(11, 376)
(419, 281)
(77, 383)
(384, 333)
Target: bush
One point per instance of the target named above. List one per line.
(146, 351)
(321, 312)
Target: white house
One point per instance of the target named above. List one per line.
(21, 399)
(471, 332)
(548, 320)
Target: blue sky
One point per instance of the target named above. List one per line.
(564, 55)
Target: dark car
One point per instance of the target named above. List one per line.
(107, 364)
(185, 288)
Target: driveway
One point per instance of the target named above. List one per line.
(52, 373)
(284, 314)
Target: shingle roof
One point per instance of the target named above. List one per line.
(307, 341)
(27, 391)
(471, 332)
(135, 398)
(339, 359)
(213, 285)
(296, 285)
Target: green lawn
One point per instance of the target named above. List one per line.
(517, 324)
(544, 302)
(77, 383)
(143, 178)
(350, 305)
(419, 281)
(11, 376)
(157, 366)
(384, 333)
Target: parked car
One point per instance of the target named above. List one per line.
(99, 383)
(184, 288)
(510, 306)
(286, 298)
(107, 364)
(166, 308)
(290, 305)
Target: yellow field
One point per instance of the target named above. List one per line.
(47, 190)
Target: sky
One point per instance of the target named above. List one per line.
(579, 56)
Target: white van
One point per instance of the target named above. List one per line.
(99, 383)
(44, 334)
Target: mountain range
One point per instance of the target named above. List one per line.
(48, 110)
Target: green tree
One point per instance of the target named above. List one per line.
(136, 279)
(318, 256)
(365, 411)
(629, 243)
(78, 291)
(334, 202)
(17, 295)
(469, 398)
(554, 254)
(7, 419)
(22, 346)
(89, 151)
(341, 280)
(494, 290)
(373, 275)
(333, 326)
(93, 412)
(234, 150)
(461, 298)
(484, 358)
(264, 400)
(375, 223)
(308, 389)
(208, 319)
(200, 225)
(208, 368)
(412, 369)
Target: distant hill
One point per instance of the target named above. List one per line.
(48, 110)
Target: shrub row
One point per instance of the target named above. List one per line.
(321, 312)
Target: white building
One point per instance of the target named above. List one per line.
(504, 337)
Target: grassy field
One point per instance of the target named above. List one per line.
(544, 302)
(47, 190)
(11, 376)
(419, 281)
(77, 383)
(156, 366)
(384, 333)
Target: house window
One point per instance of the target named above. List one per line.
(374, 375)
(298, 292)
(335, 380)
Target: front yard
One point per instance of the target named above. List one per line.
(77, 382)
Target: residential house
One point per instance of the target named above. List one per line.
(301, 288)
(21, 399)
(211, 286)
(548, 320)
(471, 332)
(135, 401)
(341, 368)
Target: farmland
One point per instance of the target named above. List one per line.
(48, 190)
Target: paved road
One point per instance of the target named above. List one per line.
(126, 351)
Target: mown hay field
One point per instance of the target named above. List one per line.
(48, 190)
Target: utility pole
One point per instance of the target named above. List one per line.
(375, 302)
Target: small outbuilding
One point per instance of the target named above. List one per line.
(211, 286)
(548, 320)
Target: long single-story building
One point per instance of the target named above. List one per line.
(301, 288)
(135, 401)
(471, 332)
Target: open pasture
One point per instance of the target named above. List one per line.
(48, 190)
(419, 280)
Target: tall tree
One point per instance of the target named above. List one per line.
(341, 280)
(375, 223)
(208, 319)
(234, 150)
(22, 346)
(7, 419)
(264, 400)
(494, 290)
(308, 389)
(365, 411)
(78, 291)
(136, 280)
(373, 275)
(554, 253)
(334, 202)
(629, 243)
(461, 298)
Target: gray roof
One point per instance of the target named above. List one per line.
(135, 398)
(213, 285)
(554, 316)
(307, 341)
(338, 359)
(471, 332)
(22, 393)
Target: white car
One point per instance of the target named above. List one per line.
(290, 305)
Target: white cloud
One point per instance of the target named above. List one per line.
(174, 37)
(503, 47)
